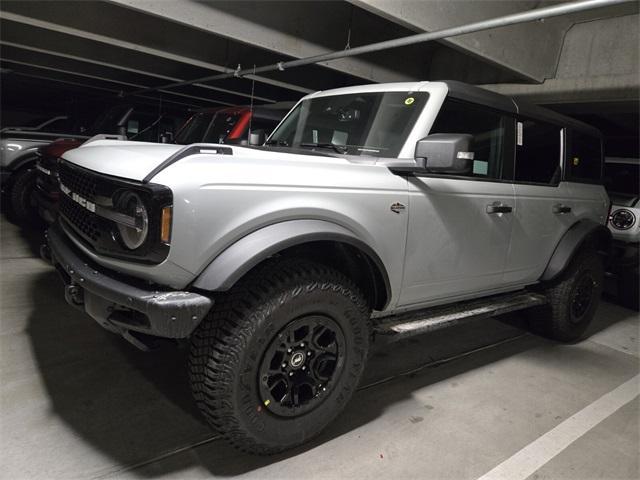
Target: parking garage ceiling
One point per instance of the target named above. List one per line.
(112, 48)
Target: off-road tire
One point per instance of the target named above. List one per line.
(22, 187)
(557, 320)
(229, 346)
(628, 288)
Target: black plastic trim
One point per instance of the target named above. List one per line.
(187, 152)
(571, 242)
(167, 313)
(238, 259)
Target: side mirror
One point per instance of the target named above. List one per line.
(257, 137)
(446, 153)
(440, 153)
(166, 137)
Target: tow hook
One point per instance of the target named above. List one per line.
(74, 296)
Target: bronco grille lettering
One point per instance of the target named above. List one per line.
(83, 202)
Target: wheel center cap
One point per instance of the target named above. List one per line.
(297, 359)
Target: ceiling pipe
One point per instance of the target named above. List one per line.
(506, 20)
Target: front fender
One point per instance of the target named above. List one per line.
(228, 267)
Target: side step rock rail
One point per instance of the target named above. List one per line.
(423, 321)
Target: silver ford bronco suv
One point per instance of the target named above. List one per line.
(370, 213)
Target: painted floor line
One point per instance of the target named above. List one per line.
(525, 462)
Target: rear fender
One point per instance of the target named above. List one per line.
(573, 240)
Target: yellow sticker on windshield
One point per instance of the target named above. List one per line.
(576, 161)
(409, 101)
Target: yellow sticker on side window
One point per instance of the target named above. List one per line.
(576, 161)
(409, 101)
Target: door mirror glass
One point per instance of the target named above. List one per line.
(445, 153)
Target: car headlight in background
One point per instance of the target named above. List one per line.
(132, 206)
(622, 219)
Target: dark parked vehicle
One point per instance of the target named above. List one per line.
(232, 124)
(123, 122)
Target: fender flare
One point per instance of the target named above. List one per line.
(572, 241)
(28, 156)
(234, 262)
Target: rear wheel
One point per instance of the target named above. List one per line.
(20, 193)
(280, 355)
(573, 299)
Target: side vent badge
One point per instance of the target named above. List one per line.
(397, 207)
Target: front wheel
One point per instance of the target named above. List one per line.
(20, 193)
(573, 299)
(280, 356)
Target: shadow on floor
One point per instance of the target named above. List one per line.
(133, 406)
(20, 235)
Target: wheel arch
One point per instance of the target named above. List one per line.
(320, 240)
(578, 235)
(30, 155)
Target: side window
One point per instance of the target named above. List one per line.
(492, 144)
(538, 152)
(584, 158)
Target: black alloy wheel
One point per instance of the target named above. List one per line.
(301, 366)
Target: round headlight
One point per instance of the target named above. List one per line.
(131, 204)
(622, 219)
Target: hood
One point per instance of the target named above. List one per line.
(136, 160)
(131, 160)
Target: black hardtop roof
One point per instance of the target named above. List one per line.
(504, 103)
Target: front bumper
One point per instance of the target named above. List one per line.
(122, 305)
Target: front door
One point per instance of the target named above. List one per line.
(459, 227)
(456, 244)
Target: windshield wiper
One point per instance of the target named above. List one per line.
(280, 143)
(338, 148)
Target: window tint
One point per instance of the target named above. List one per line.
(584, 160)
(488, 129)
(537, 152)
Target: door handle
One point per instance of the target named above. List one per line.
(493, 208)
(560, 209)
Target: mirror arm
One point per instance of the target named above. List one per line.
(419, 165)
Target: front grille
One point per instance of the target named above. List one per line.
(81, 218)
(95, 229)
(79, 181)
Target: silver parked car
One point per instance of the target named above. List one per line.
(18, 157)
(371, 212)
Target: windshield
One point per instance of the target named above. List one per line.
(622, 178)
(208, 127)
(375, 123)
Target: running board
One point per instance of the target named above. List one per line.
(423, 321)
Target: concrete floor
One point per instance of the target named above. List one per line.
(78, 402)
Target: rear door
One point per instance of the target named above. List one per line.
(457, 240)
(544, 206)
